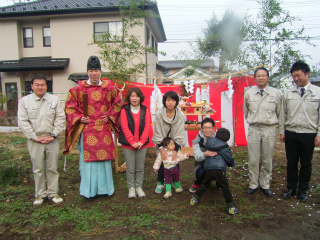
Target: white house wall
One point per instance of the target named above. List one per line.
(38, 50)
(71, 37)
(9, 40)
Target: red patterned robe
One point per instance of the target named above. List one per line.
(97, 139)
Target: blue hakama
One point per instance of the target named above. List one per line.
(96, 177)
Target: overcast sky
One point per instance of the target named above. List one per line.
(183, 21)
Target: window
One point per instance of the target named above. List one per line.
(27, 37)
(148, 37)
(156, 47)
(46, 36)
(108, 31)
(152, 42)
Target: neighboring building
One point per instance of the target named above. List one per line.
(53, 37)
(174, 66)
(176, 69)
(315, 78)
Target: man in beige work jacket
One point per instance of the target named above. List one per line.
(261, 109)
(41, 118)
(299, 128)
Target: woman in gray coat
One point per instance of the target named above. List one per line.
(169, 122)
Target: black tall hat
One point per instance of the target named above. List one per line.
(93, 63)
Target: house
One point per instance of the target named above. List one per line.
(174, 66)
(314, 78)
(55, 38)
(177, 70)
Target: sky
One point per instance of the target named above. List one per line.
(184, 21)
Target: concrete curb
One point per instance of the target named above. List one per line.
(9, 129)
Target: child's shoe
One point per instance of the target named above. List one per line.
(194, 188)
(168, 194)
(159, 187)
(232, 210)
(178, 188)
(193, 201)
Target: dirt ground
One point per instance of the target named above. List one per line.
(153, 217)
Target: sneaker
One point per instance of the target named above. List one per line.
(159, 188)
(57, 199)
(178, 190)
(132, 192)
(168, 194)
(193, 201)
(232, 210)
(140, 192)
(38, 201)
(194, 188)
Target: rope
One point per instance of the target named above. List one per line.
(210, 78)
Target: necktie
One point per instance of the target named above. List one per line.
(302, 91)
(261, 92)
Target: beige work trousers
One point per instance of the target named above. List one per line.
(261, 142)
(45, 176)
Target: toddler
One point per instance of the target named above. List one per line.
(171, 170)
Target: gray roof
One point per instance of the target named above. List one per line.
(58, 7)
(178, 64)
(33, 64)
(314, 77)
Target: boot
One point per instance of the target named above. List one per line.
(178, 187)
(168, 191)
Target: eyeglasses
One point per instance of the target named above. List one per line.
(207, 127)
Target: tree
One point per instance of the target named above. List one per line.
(269, 41)
(223, 39)
(124, 53)
(190, 60)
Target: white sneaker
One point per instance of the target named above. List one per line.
(132, 193)
(140, 192)
(168, 194)
(38, 201)
(57, 199)
(178, 190)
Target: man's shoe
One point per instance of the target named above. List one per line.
(140, 192)
(289, 194)
(219, 185)
(193, 201)
(178, 190)
(168, 194)
(302, 196)
(251, 191)
(132, 192)
(57, 199)
(232, 211)
(159, 188)
(38, 201)
(267, 192)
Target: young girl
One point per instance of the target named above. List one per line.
(169, 122)
(134, 137)
(171, 170)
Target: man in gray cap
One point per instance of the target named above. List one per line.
(93, 129)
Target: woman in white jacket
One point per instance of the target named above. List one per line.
(169, 122)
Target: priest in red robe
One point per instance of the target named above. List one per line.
(92, 123)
